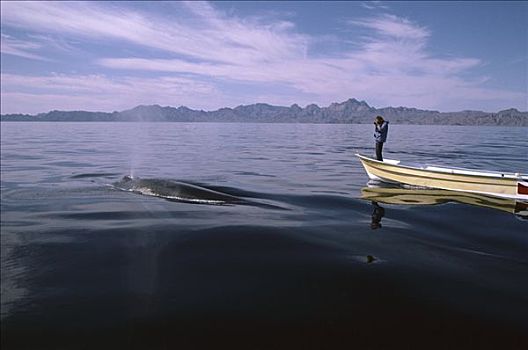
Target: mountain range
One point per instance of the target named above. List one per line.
(351, 111)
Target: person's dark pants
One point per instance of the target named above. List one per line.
(379, 149)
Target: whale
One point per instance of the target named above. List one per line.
(176, 190)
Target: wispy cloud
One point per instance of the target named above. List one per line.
(394, 27)
(210, 36)
(99, 92)
(20, 48)
(374, 5)
(200, 50)
(381, 61)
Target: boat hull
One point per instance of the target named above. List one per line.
(507, 186)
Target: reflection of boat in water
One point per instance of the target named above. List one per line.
(395, 195)
(506, 185)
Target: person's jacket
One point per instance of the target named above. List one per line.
(380, 134)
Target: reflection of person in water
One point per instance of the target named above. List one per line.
(377, 214)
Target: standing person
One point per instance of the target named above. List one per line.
(380, 135)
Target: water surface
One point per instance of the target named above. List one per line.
(86, 265)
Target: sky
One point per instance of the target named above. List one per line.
(112, 56)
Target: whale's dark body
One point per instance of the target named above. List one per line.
(176, 190)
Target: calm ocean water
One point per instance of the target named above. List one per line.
(297, 264)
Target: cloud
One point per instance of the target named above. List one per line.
(20, 48)
(69, 18)
(99, 92)
(210, 36)
(374, 5)
(393, 26)
(207, 51)
(378, 70)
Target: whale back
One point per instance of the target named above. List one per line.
(175, 190)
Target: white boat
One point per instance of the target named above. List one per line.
(491, 183)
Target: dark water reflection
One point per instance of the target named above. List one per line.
(85, 265)
(393, 194)
(377, 215)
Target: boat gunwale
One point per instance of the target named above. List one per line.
(494, 175)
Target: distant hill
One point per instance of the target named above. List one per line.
(351, 111)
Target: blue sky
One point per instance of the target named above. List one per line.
(106, 56)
